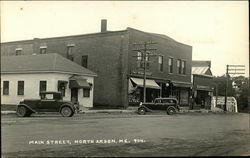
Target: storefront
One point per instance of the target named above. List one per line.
(135, 90)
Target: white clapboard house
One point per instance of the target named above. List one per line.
(25, 76)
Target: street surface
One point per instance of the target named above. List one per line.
(109, 135)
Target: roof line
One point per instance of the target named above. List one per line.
(69, 36)
(63, 72)
(154, 34)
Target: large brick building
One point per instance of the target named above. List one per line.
(111, 55)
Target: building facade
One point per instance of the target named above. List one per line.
(111, 55)
(24, 77)
(202, 84)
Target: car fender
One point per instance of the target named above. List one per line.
(26, 107)
(69, 105)
(147, 109)
(173, 107)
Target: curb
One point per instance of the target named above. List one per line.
(107, 111)
(125, 111)
(8, 112)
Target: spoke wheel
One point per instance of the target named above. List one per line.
(171, 110)
(21, 111)
(142, 111)
(66, 111)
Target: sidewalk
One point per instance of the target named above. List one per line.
(131, 110)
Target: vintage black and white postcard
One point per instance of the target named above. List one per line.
(124, 78)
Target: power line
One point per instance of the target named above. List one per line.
(145, 60)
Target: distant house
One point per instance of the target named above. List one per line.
(26, 76)
(202, 79)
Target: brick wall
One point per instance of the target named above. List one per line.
(165, 47)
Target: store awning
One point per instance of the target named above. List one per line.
(181, 84)
(78, 82)
(149, 83)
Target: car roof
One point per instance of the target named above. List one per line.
(166, 98)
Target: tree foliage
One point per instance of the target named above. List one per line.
(237, 87)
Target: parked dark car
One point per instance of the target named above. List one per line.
(49, 102)
(170, 105)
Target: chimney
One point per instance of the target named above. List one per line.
(103, 25)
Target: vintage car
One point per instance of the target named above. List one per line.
(170, 105)
(49, 102)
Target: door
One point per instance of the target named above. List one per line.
(48, 104)
(74, 95)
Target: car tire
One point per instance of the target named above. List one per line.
(171, 110)
(66, 111)
(21, 111)
(142, 111)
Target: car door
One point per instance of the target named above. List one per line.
(158, 104)
(48, 104)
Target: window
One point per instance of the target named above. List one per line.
(70, 52)
(62, 87)
(183, 67)
(86, 92)
(85, 61)
(170, 65)
(139, 60)
(160, 61)
(43, 86)
(47, 97)
(179, 66)
(5, 87)
(19, 51)
(20, 88)
(43, 50)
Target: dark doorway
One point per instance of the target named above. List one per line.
(74, 95)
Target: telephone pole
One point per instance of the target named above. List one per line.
(232, 70)
(145, 54)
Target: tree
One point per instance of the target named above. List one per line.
(220, 84)
(237, 87)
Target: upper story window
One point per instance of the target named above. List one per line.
(43, 49)
(179, 66)
(160, 62)
(85, 61)
(170, 65)
(70, 48)
(183, 67)
(5, 87)
(19, 51)
(20, 88)
(139, 60)
(43, 86)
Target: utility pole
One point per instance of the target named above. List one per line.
(145, 52)
(232, 70)
(225, 105)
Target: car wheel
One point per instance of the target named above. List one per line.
(66, 111)
(142, 111)
(21, 111)
(171, 110)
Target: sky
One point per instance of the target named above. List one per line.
(216, 30)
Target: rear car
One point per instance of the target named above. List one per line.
(169, 105)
